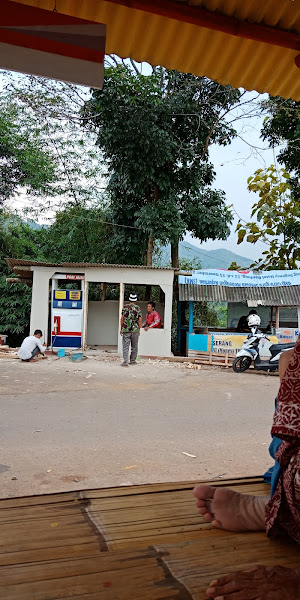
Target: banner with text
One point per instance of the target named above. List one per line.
(241, 278)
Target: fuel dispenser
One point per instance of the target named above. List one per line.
(66, 315)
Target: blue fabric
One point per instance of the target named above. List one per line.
(273, 473)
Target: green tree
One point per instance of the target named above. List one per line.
(17, 240)
(155, 132)
(24, 162)
(78, 234)
(282, 130)
(47, 113)
(277, 221)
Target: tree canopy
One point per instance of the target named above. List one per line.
(24, 162)
(155, 132)
(277, 221)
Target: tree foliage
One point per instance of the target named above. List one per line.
(19, 240)
(277, 221)
(24, 162)
(155, 132)
(40, 113)
(282, 129)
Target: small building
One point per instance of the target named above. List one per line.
(275, 295)
(69, 319)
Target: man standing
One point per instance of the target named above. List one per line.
(31, 346)
(153, 320)
(130, 327)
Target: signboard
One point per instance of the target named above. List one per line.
(51, 44)
(241, 278)
(287, 336)
(74, 295)
(75, 277)
(224, 343)
(60, 295)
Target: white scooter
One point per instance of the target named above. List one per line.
(250, 350)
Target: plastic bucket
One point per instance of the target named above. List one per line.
(76, 356)
(61, 352)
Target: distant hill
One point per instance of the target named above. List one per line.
(210, 259)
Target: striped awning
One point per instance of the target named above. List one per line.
(253, 44)
(40, 42)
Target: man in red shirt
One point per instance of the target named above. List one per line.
(153, 319)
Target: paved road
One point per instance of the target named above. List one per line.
(65, 426)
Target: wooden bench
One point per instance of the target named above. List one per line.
(127, 543)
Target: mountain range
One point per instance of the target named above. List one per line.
(210, 259)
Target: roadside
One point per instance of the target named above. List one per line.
(68, 425)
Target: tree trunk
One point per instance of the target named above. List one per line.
(150, 251)
(175, 255)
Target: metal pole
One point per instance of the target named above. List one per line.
(191, 316)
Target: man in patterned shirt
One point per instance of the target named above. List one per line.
(130, 327)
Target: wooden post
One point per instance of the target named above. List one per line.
(85, 314)
(103, 285)
(121, 304)
(277, 318)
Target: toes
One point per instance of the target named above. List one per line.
(204, 492)
(216, 524)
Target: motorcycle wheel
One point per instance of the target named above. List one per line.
(241, 364)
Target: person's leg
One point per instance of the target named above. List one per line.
(134, 347)
(226, 509)
(35, 352)
(125, 344)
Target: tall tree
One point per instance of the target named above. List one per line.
(282, 130)
(277, 222)
(155, 132)
(24, 162)
(48, 113)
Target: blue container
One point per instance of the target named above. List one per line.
(76, 356)
(61, 352)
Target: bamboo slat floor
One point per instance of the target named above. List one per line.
(143, 542)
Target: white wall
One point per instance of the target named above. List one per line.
(103, 323)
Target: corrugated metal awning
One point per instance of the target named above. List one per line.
(275, 296)
(22, 267)
(251, 44)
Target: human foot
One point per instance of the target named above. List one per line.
(259, 583)
(226, 509)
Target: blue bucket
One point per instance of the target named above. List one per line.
(61, 352)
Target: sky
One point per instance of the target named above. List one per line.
(233, 165)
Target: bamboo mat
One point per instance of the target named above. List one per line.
(141, 542)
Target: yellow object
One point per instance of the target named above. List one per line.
(176, 44)
(60, 294)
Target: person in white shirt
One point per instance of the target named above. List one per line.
(31, 346)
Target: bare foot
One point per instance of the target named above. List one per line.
(226, 509)
(33, 360)
(259, 583)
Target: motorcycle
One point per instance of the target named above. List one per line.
(250, 352)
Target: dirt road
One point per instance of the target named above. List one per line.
(71, 426)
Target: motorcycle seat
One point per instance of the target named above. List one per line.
(278, 347)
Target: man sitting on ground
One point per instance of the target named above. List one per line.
(153, 319)
(31, 346)
(278, 515)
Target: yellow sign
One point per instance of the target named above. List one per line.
(74, 295)
(231, 344)
(60, 294)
